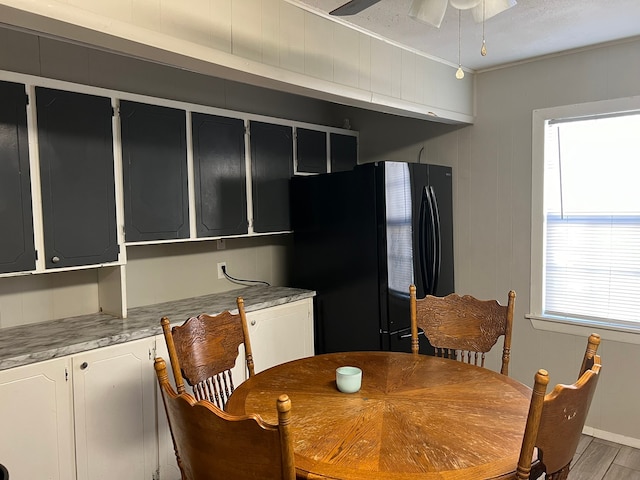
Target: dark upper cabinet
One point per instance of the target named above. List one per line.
(17, 250)
(75, 144)
(271, 170)
(220, 175)
(344, 152)
(154, 168)
(311, 151)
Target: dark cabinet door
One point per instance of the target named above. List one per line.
(271, 170)
(311, 151)
(17, 250)
(344, 152)
(154, 167)
(77, 180)
(220, 175)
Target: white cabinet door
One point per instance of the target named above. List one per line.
(167, 458)
(281, 334)
(115, 412)
(36, 421)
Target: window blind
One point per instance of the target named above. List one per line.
(592, 218)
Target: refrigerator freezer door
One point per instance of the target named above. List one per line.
(432, 229)
(440, 186)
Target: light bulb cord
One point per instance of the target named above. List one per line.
(483, 49)
(459, 71)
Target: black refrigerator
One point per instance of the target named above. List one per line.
(360, 239)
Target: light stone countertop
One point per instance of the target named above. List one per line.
(37, 342)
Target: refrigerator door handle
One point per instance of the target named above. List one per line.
(403, 332)
(318, 326)
(437, 237)
(431, 269)
(422, 241)
(408, 335)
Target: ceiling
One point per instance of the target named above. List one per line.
(530, 29)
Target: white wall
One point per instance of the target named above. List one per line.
(492, 165)
(172, 271)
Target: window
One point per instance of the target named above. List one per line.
(586, 216)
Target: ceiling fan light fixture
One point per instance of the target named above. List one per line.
(464, 4)
(428, 11)
(492, 8)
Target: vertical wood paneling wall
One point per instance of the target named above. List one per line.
(492, 167)
(272, 39)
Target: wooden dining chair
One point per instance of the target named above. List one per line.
(462, 327)
(210, 444)
(592, 348)
(204, 349)
(555, 423)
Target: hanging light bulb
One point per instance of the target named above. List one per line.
(483, 50)
(459, 72)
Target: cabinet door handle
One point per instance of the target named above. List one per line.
(55, 259)
(84, 365)
(253, 322)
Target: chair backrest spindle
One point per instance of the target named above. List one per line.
(592, 348)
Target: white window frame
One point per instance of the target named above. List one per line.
(608, 330)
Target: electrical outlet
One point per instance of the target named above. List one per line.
(220, 272)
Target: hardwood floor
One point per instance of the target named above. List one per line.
(598, 459)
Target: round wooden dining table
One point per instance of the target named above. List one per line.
(415, 417)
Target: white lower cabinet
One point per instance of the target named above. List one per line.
(89, 416)
(36, 421)
(282, 333)
(114, 412)
(98, 415)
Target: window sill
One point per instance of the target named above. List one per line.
(618, 332)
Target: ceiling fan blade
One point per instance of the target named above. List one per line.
(353, 7)
(491, 8)
(464, 4)
(428, 11)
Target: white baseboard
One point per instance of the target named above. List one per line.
(612, 437)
